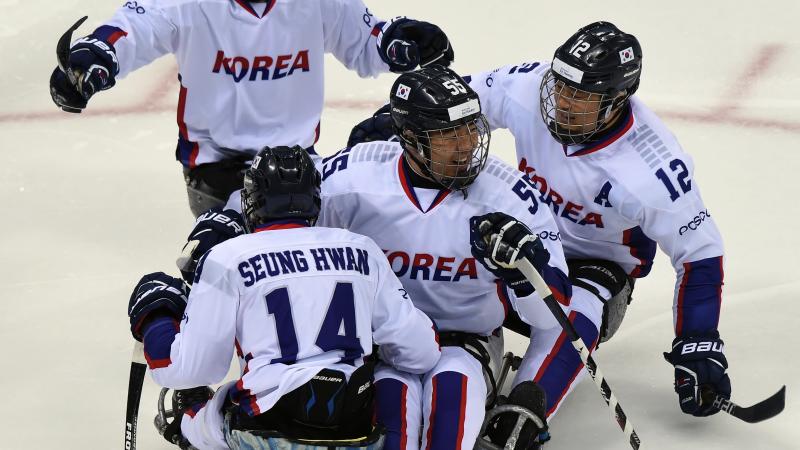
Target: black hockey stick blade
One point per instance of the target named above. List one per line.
(763, 410)
(62, 49)
(135, 382)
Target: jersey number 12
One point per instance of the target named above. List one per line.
(683, 173)
(341, 314)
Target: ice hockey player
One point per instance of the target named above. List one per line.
(618, 183)
(303, 306)
(421, 199)
(250, 72)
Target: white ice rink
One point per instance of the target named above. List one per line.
(94, 201)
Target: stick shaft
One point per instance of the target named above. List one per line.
(591, 366)
(135, 383)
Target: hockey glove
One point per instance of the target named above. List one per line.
(156, 293)
(700, 372)
(211, 228)
(379, 127)
(94, 64)
(498, 241)
(406, 43)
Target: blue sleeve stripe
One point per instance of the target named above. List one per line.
(558, 282)
(699, 300)
(158, 338)
(642, 248)
(108, 34)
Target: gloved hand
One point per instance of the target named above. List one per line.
(700, 372)
(211, 228)
(405, 43)
(156, 292)
(94, 64)
(498, 240)
(379, 127)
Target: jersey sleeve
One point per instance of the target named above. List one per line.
(406, 336)
(350, 32)
(201, 351)
(497, 90)
(140, 33)
(672, 213)
(522, 203)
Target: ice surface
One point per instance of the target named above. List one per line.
(95, 201)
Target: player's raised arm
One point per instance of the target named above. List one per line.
(138, 33)
(369, 45)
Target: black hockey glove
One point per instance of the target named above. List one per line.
(406, 43)
(498, 240)
(700, 373)
(211, 228)
(156, 293)
(94, 65)
(379, 127)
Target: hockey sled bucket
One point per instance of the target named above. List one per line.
(523, 415)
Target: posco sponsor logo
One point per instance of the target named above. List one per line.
(694, 223)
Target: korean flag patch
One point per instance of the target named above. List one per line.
(626, 55)
(402, 91)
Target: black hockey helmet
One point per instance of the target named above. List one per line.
(435, 103)
(281, 183)
(599, 59)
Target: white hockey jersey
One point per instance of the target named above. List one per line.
(292, 302)
(425, 234)
(616, 198)
(251, 74)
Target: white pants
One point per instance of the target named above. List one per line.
(204, 428)
(551, 361)
(440, 410)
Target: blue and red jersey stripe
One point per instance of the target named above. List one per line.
(187, 150)
(109, 34)
(405, 182)
(247, 7)
(158, 337)
(642, 248)
(610, 137)
(699, 301)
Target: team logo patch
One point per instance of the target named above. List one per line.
(626, 55)
(402, 91)
(255, 162)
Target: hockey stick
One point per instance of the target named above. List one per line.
(135, 382)
(763, 410)
(617, 413)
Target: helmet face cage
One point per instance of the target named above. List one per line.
(452, 156)
(574, 116)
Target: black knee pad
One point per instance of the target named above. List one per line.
(613, 278)
(210, 185)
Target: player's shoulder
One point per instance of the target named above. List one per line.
(501, 186)
(143, 5)
(496, 173)
(651, 165)
(517, 80)
(342, 235)
(365, 164)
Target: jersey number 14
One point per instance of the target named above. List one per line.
(341, 315)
